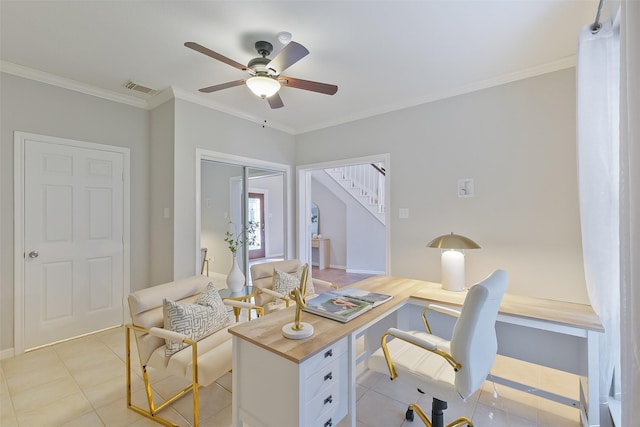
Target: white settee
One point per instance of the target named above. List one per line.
(201, 362)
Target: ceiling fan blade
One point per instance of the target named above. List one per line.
(325, 88)
(289, 55)
(275, 101)
(222, 86)
(215, 55)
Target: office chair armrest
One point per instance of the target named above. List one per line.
(444, 310)
(424, 343)
(438, 309)
(275, 294)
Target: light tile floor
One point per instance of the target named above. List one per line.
(82, 383)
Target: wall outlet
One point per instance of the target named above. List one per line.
(403, 213)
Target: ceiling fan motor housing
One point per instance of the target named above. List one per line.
(259, 67)
(264, 48)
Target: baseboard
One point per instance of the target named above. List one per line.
(373, 272)
(6, 354)
(280, 255)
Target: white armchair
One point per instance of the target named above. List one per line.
(449, 370)
(201, 361)
(262, 276)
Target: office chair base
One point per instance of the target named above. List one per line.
(436, 415)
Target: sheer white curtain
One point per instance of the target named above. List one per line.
(630, 209)
(598, 89)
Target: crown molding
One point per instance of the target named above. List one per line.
(195, 99)
(43, 77)
(550, 67)
(149, 104)
(171, 93)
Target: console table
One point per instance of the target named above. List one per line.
(324, 260)
(312, 382)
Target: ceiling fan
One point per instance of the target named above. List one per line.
(266, 78)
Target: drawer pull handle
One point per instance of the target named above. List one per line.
(329, 423)
(328, 353)
(329, 376)
(329, 399)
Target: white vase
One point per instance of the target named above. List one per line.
(235, 279)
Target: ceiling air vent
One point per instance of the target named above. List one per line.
(140, 88)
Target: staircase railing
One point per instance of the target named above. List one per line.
(366, 183)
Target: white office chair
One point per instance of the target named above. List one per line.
(449, 370)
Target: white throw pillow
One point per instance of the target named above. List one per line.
(211, 298)
(284, 282)
(193, 320)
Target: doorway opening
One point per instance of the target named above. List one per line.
(329, 220)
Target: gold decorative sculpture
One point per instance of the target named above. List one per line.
(298, 329)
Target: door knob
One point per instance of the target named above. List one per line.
(33, 254)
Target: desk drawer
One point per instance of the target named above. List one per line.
(325, 377)
(325, 357)
(324, 405)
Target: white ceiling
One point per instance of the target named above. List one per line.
(383, 55)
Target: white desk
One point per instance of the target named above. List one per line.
(279, 382)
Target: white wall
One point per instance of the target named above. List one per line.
(518, 142)
(332, 216)
(358, 240)
(30, 106)
(160, 198)
(366, 249)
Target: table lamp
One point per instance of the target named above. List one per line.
(452, 262)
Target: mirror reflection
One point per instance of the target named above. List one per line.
(315, 220)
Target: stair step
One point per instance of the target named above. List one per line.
(358, 191)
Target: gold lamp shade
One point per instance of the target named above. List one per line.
(453, 241)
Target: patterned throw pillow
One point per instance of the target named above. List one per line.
(211, 298)
(193, 320)
(284, 283)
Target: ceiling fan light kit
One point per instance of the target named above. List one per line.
(266, 79)
(263, 86)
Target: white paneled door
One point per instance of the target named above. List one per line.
(73, 241)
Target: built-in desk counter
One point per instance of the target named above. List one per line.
(265, 331)
(270, 371)
(535, 309)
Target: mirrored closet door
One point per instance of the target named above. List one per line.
(243, 210)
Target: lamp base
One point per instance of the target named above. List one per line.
(453, 270)
(293, 334)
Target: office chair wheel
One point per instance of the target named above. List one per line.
(409, 415)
